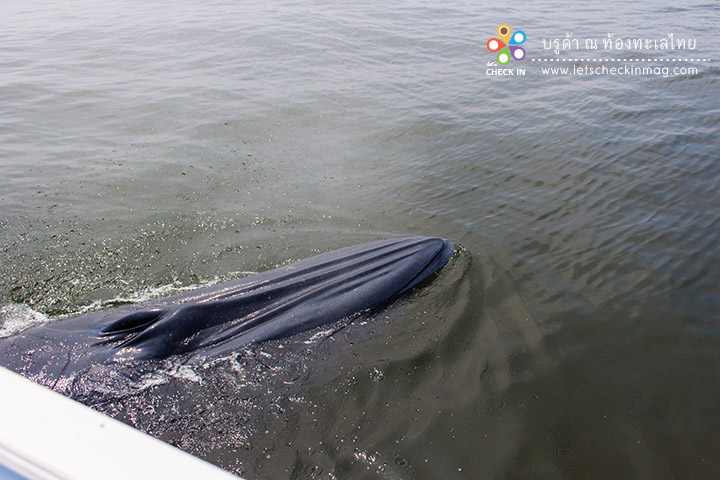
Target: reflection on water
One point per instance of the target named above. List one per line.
(578, 336)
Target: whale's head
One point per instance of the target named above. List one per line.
(274, 304)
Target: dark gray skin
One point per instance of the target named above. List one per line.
(215, 321)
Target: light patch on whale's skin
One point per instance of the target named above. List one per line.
(214, 321)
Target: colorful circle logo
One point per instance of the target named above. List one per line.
(508, 45)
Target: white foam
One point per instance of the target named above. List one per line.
(320, 335)
(170, 370)
(14, 318)
(153, 293)
(150, 380)
(184, 372)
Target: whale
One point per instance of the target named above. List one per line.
(213, 321)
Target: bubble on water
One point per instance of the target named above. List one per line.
(376, 375)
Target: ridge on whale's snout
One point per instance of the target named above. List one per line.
(219, 319)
